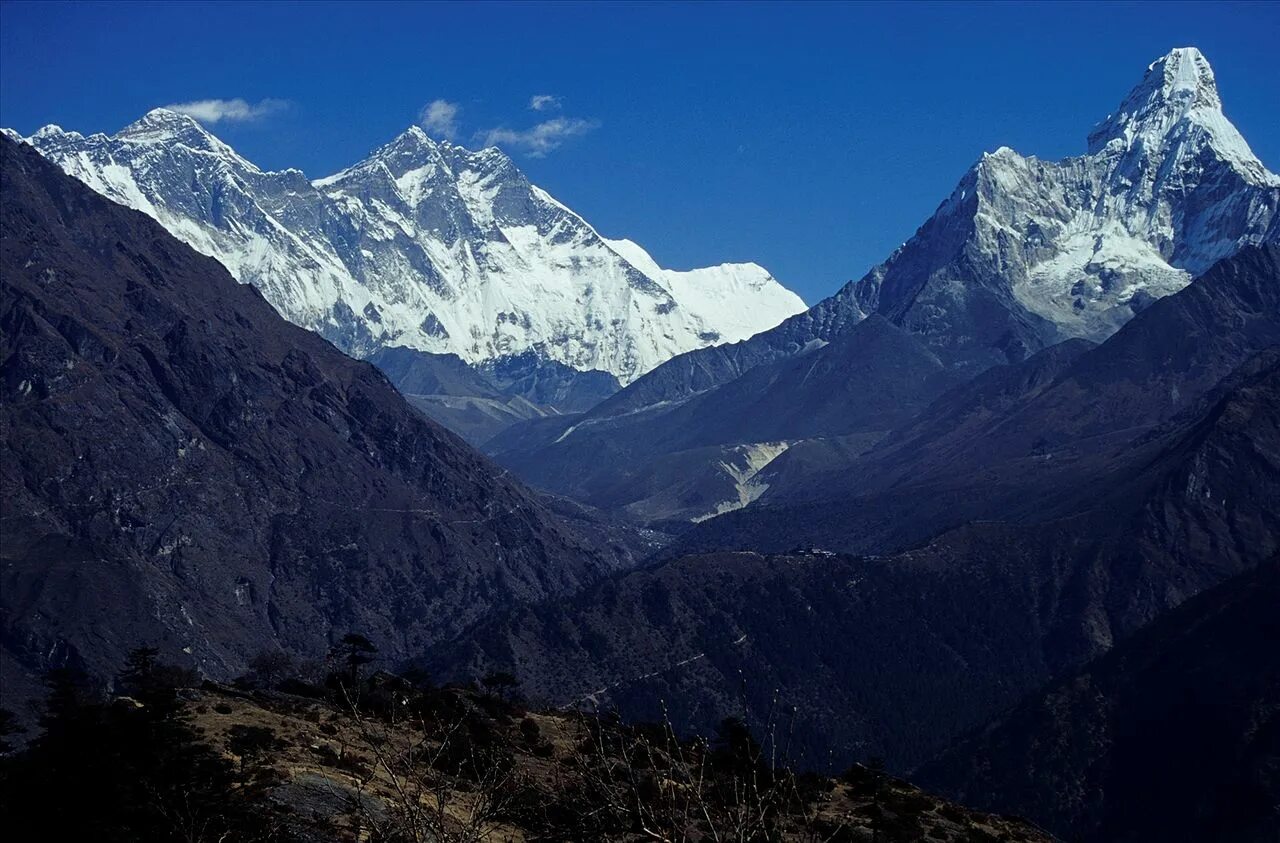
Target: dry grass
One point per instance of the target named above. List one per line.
(326, 762)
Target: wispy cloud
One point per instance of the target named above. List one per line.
(543, 138)
(544, 102)
(229, 111)
(440, 118)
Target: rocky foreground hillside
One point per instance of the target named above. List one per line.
(280, 757)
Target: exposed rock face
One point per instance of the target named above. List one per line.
(182, 467)
(426, 245)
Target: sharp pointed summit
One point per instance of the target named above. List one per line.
(1175, 109)
(1174, 84)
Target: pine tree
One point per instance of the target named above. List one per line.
(353, 652)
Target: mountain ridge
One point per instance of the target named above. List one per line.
(185, 469)
(1026, 253)
(423, 244)
(925, 636)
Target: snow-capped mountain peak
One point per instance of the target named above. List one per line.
(1027, 252)
(404, 160)
(1177, 102)
(1173, 85)
(165, 126)
(424, 244)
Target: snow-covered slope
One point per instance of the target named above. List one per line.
(426, 245)
(708, 289)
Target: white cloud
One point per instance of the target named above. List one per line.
(231, 111)
(544, 102)
(538, 140)
(440, 118)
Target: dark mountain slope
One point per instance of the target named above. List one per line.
(182, 467)
(696, 371)
(870, 379)
(1032, 441)
(896, 654)
(549, 383)
(444, 388)
(876, 657)
(476, 420)
(422, 373)
(659, 459)
(1174, 735)
(480, 403)
(818, 469)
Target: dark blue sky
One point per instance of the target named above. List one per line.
(810, 138)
